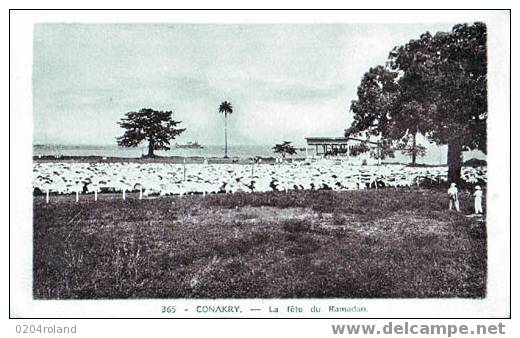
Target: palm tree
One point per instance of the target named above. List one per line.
(225, 108)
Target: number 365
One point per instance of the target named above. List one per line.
(168, 309)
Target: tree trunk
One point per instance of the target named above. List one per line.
(151, 146)
(225, 136)
(454, 161)
(379, 155)
(414, 151)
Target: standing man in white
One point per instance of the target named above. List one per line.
(453, 194)
(478, 200)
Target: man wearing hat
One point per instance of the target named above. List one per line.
(478, 200)
(453, 194)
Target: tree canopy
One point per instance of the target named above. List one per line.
(435, 86)
(285, 148)
(446, 76)
(225, 108)
(156, 127)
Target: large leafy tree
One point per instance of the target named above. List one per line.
(446, 74)
(155, 127)
(435, 86)
(285, 148)
(226, 109)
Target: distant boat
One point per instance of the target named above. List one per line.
(189, 145)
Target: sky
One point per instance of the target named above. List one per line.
(285, 81)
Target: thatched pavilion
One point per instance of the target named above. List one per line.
(335, 146)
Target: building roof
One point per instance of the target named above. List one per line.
(335, 140)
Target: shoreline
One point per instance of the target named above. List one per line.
(157, 159)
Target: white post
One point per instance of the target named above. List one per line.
(47, 196)
(184, 168)
(95, 195)
(124, 194)
(140, 192)
(77, 196)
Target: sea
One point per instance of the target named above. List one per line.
(435, 155)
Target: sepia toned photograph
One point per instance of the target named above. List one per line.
(259, 160)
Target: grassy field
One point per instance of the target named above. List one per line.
(384, 243)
